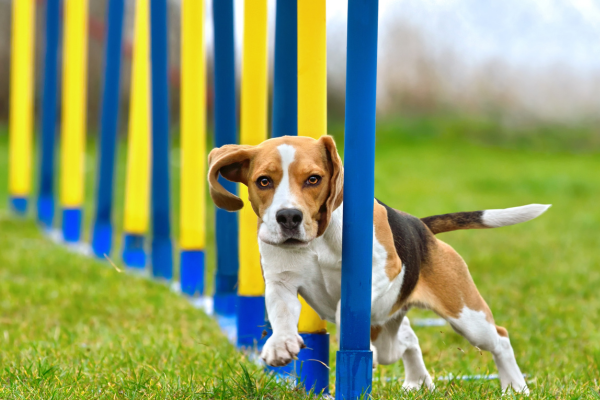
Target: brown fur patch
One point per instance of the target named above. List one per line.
(451, 222)
(384, 235)
(502, 331)
(446, 286)
(375, 331)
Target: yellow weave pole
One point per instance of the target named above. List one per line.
(193, 125)
(312, 68)
(193, 147)
(137, 184)
(74, 107)
(312, 101)
(253, 130)
(21, 102)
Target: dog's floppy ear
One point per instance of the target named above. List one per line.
(336, 183)
(232, 162)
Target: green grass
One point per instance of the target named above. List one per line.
(72, 327)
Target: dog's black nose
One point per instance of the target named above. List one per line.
(289, 218)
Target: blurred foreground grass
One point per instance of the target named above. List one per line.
(72, 327)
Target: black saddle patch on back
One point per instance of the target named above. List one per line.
(411, 239)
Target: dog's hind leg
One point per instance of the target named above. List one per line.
(446, 287)
(396, 340)
(485, 335)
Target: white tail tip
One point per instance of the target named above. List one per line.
(514, 215)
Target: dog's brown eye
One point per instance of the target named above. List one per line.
(263, 181)
(313, 180)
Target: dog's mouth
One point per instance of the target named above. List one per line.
(294, 242)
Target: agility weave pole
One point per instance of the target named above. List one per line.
(102, 233)
(193, 147)
(74, 101)
(312, 366)
(162, 246)
(137, 183)
(45, 201)
(251, 321)
(225, 130)
(354, 366)
(21, 104)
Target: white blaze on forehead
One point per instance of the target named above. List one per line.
(283, 194)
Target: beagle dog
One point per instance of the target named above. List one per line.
(295, 187)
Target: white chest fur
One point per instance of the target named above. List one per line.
(315, 271)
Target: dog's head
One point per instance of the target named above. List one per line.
(294, 184)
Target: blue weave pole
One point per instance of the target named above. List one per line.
(134, 254)
(191, 270)
(162, 247)
(251, 324)
(109, 126)
(226, 277)
(355, 359)
(285, 74)
(45, 200)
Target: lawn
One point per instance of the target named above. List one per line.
(73, 327)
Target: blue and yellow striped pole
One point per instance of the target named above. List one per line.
(21, 103)
(354, 365)
(45, 202)
(253, 131)
(193, 147)
(102, 234)
(226, 223)
(312, 122)
(162, 247)
(74, 108)
(137, 184)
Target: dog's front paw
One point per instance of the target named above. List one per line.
(280, 349)
(416, 384)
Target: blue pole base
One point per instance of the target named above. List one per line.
(102, 239)
(134, 255)
(19, 205)
(162, 258)
(225, 304)
(287, 372)
(191, 270)
(45, 211)
(314, 374)
(251, 322)
(71, 224)
(353, 375)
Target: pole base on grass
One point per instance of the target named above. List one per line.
(191, 269)
(162, 258)
(134, 255)
(251, 322)
(354, 370)
(102, 239)
(18, 205)
(310, 370)
(225, 304)
(45, 211)
(312, 363)
(71, 224)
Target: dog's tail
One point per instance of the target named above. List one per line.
(483, 219)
